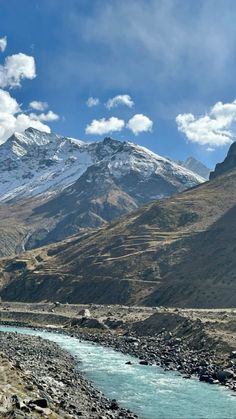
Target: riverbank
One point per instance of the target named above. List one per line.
(199, 343)
(38, 379)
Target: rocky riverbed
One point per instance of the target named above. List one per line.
(197, 343)
(38, 379)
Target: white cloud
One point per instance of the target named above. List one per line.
(140, 123)
(38, 106)
(49, 116)
(120, 100)
(12, 119)
(92, 101)
(105, 126)
(16, 68)
(3, 44)
(8, 104)
(216, 128)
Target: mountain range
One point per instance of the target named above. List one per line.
(175, 251)
(52, 186)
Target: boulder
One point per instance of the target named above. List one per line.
(233, 354)
(88, 323)
(84, 312)
(224, 375)
(43, 403)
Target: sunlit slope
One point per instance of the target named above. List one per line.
(175, 251)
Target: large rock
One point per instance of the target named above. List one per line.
(84, 312)
(90, 323)
(224, 375)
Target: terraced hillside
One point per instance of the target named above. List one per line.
(175, 251)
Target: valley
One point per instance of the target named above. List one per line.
(117, 209)
(189, 344)
(104, 261)
(145, 258)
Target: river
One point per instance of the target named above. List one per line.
(148, 391)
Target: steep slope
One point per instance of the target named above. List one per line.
(228, 164)
(52, 187)
(177, 251)
(196, 166)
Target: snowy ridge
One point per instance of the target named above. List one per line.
(35, 162)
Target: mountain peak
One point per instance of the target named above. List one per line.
(229, 163)
(35, 162)
(31, 136)
(191, 163)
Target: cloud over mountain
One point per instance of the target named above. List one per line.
(140, 123)
(13, 71)
(105, 126)
(215, 128)
(38, 106)
(16, 68)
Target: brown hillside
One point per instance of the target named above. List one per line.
(177, 252)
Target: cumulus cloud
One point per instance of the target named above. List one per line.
(8, 104)
(12, 119)
(120, 100)
(92, 101)
(215, 128)
(3, 44)
(38, 106)
(16, 68)
(105, 126)
(49, 116)
(140, 123)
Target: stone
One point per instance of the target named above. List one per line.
(114, 405)
(143, 362)
(224, 375)
(39, 402)
(204, 377)
(84, 312)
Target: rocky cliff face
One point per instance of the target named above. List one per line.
(229, 163)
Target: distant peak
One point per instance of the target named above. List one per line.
(196, 166)
(110, 140)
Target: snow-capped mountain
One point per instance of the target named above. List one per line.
(52, 187)
(34, 162)
(196, 166)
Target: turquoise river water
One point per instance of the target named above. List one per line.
(149, 391)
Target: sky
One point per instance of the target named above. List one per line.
(160, 73)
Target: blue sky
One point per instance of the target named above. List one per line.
(174, 58)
